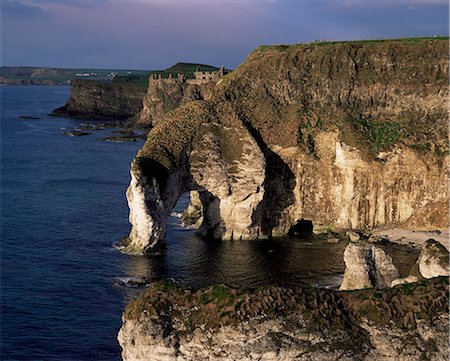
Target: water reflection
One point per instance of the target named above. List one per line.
(196, 262)
(287, 261)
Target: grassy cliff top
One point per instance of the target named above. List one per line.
(190, 68)
(168, 142)
(221, 305)
(285, 47)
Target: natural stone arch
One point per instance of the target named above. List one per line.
(222, 161)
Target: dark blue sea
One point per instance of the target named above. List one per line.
(62, 205)
(63, 283)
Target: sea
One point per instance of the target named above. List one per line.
(64, 283)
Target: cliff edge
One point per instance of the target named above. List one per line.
(345, 135)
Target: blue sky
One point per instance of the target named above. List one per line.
(150, 34)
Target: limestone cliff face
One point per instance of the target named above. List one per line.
(346, 135)
(163, 97)
(170, 323)
(222, 160)
(91, 99)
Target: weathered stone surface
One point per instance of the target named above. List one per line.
(434, 260)
(193, 214)
(367, 266)
(223, 162)
(164, 97)
(273, 323)
(405, 280)
(343, 135)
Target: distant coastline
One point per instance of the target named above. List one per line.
(22, 75)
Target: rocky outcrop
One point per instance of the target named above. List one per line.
(102, 100)
(168, 322)
(433, 260)
(224, 163)
(193, 214)
(163, 97)
(367, 266)
(346, 135)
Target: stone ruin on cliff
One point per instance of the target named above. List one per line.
(200, 77)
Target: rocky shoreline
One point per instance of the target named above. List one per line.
(169, 322)
(333, 137)
(376, 315)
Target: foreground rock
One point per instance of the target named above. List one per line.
(367, 266)
(434, 260)
(167, 323)
(345, 136)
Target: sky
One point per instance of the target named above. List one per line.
(155, 34)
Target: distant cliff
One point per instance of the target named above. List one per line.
(94, 99)
(345, 135)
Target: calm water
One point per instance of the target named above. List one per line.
(63, 284)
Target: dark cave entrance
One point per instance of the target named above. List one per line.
(303, 229)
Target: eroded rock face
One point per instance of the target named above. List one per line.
(162, 98)
(433, 260)
(171, 323)
(367, 266)
(193, 214)
(93, 99)
(223, 163)
(345, 136)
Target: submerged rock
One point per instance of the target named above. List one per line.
(169, 323)
(123, 138)
(367, 266)
(31, 117)
(433, 260)
(101, 126)
(76, 133)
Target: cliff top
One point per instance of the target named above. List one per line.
(284, 47)
(376, 94)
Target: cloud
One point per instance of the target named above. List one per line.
(18, 10)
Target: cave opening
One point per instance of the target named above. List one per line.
(303, 229)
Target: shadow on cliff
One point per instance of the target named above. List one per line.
(278, 185)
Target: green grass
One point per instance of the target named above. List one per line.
(377, 135)
(284, 47)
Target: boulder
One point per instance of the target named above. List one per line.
(433, 260)
(367, 266)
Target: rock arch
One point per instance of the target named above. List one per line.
(220, 160)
